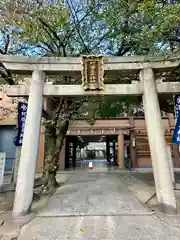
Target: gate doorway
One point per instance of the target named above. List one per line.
(102, 151)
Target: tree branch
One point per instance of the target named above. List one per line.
(74, 16)
(69, 34)
(7, 44)
(76, 108)
(46, 28)
(124, 48)
(44, 48)
(5, 74)
(174, 39)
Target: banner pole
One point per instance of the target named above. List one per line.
(174, 106)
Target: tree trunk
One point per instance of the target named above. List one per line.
(52, 160)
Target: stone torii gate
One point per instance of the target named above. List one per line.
(142, 70)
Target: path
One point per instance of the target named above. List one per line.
(100, 204)
(93, 194)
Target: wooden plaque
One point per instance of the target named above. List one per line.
(92, 73)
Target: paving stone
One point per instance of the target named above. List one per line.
(98, 228)
(97, 206)
(94, 194)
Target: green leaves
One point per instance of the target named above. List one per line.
(96, 27)
(116, 106)
(51, 28)
(138, 22)
(41, 24)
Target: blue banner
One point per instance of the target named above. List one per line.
(176, 134)
(22, 111)
(177, 104)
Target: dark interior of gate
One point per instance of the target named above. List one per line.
(100, 150)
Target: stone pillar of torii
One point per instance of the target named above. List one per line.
(29, 151)
(155, 130)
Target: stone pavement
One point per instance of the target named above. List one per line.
(93, 194)
(96, 206)
(99, 228)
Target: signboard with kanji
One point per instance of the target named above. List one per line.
(176, 135)
(22, 111)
